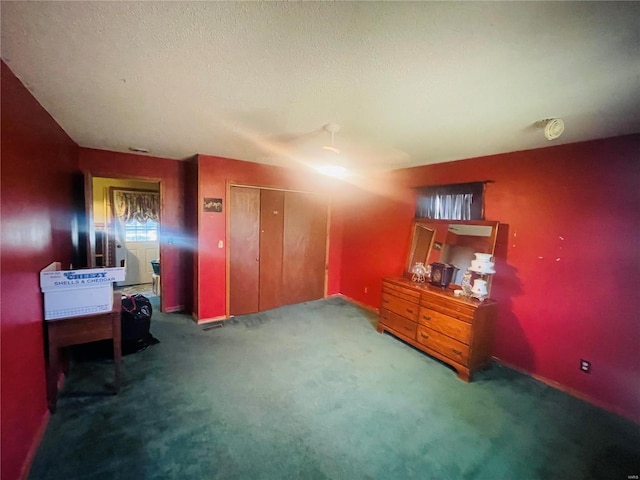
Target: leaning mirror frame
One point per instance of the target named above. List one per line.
(420, 246)
(452, 242)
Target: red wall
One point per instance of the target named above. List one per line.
(378, 214)
(175, 242)
(213, 174)
(567, 271)
(38, 161)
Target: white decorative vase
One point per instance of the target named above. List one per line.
(479, 288)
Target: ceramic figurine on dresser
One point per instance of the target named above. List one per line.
(453, 323)
(466, 283)
(420, 273)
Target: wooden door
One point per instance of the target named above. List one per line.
(137, 257)
(244, 250)
(271, 229)
(304, 247)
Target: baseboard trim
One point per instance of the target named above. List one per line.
(177, 308)
(35, 444)
(570, 391)
(201, 321)
(355, 302)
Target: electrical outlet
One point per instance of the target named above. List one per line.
(585, 366)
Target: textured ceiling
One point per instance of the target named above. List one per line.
(409, 83)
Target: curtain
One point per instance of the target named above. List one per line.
(140, 206)
(462, 201)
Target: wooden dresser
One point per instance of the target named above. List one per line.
(456, 330)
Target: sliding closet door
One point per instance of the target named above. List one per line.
(271, 226)
(277, 248)
(304, 247)
(244, 250)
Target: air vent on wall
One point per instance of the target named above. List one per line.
(139, 150)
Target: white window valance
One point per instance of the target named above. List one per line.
(135, 205)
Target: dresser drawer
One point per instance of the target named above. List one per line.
(448, 307)
(445, 345)
(405, 293)
(400, 324)
(400, 306)
(451, 327)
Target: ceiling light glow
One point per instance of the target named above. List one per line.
(332, 170)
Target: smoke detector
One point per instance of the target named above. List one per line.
(553, 128)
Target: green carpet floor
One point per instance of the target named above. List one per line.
(312, 391)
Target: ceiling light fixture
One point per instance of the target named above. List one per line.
(334, 163)
(332, 128)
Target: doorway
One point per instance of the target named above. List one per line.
(125, 225)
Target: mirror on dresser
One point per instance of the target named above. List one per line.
(421, 240)
(454, 242)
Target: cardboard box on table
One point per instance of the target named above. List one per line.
(72, 293)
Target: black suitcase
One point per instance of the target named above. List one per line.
(135, 321)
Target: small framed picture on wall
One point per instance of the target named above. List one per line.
(212, 205)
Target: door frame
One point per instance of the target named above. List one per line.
(112, 247)
(234, 183)
(89, 175)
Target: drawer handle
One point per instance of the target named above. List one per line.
(423, 335)
(385, 301)
(426, 317)
(457, 352)
(409, 310)
(408, 329)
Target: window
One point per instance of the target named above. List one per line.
(460, 201)
(134, 231)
